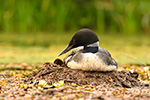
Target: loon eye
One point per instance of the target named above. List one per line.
(74, 40)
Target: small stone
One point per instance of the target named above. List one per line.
(69, 97)
(15, 92)
(22, 94)
(38, 92)
(26, 87)
(58, 94)
(6, 92)
(28, 97)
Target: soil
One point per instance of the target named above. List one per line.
(116, 85)
(54, 72)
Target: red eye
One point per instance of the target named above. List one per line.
(74, 40)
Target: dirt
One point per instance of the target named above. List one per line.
(116, 85)
(54, 72)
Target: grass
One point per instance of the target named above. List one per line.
(129, 16)
(20, 55)
(43, 48)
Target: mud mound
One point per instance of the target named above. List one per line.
(54, 72)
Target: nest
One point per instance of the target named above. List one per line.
(54, 72)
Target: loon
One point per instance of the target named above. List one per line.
(87, 55)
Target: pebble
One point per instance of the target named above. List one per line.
(27, 96)
(15, 92)
(69, 97)
(22, 94)
(38, 92)
(58, 94)
(26, 87)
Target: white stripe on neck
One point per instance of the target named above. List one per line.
(96, 44)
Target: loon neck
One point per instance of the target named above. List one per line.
(90, 49)
(93, 48)
(95, 44)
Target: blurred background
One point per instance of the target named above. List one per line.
(36, 31)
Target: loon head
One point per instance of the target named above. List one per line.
(84, 37)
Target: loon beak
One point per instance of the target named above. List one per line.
(68, 48)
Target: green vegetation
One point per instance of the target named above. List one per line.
(42, 48)
(35, 31)
(127, 16)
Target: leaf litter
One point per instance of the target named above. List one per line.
(55, 81)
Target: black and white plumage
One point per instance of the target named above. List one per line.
(87, 54)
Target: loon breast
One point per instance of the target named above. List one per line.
(99, 61)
